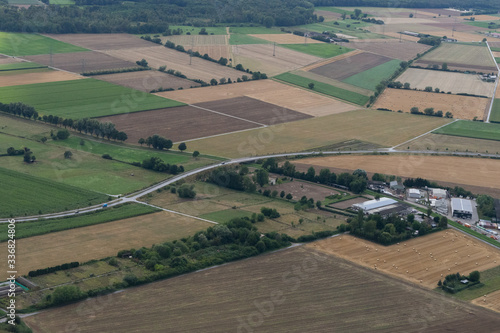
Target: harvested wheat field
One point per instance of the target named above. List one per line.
(491, 301)
(483, 17)
(158, 56)
(267, 91)
(216, 46)
(423, 260)
(456, 83)
(147, 80)
(462, 107)
(286, 39)
(461, 36)
(259, 57)
(467, 171)
(497, 93)
(403, 51)
(39, 77)
(389, 20)
(102, 41)
(401, 36)
(87, 243)
(295, 290)
(80, 62)
(214, 51)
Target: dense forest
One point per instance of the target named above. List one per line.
(464, 4)
(152, 16)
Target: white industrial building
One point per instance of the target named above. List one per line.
(461, 208)
(374, 204)
(438, 193)
(414, 193)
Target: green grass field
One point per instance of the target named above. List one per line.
(471, 129)
(24, 2)
(490, 282)
(83, 98)
(20, 65)
(254, 30)
(495, 111)
(495, 49)
(25, 71)
(62, 2)
(21, 44)
(482, 24)
(322, 50)
(497, 59)
(335, 10)
(241, 39)
(224, 216)
(370, 78)
(324, 88)
(23, 194)
(84, 170)
(196, 30)
(30, 229)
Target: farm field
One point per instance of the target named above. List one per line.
(177, 124)
(462, 107)
(342, 69)
(447, 81)
(83, 98)
(324, 88)
(62, 2)
(86, 243)
(392, 129)
(22, 44)
(23, 2)
(491, 301)
(241, 39)
(221, 204)
(470, 129)
(50, 196)
(268, 91)
(343, 31)
(391, 48)
(370, 78)
(147, 80)
(196, 30)
(83, 170)
(322, 50)
(159, 56)
(260, 58)
(327, 61)
(216, 46)
(303, 303)
(285, 38)
(43, 226)
(495, 111)
(32, 78)
(332, 82)
(423, 260)
(102, 41)
(461, 57)
(255, 30)
(24, 71)
(461, 36)
(14, 65)
(467, 171)
(80, 62)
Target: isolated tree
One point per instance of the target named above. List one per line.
(33, 158)
(444, 66)
(141, 141)
(142, 63)
(289, 196)
(62, 134)
(27, 156)
(311, 85)
(411, 15)
(448, 115)
(182, 146)
(196, 154)
(282, 194)
(68, 154)
(213, 82)
(414, 110)
(44, 139)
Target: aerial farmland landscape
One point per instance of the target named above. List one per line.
(256, 166)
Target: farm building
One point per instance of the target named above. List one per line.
(438, 193)
(497, 209)
(414, 193)
(461, 208)
(374, 204)
(441, 205)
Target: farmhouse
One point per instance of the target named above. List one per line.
(461, 208)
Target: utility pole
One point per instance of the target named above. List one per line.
(274, 49)
(51, 61)
(192, 50)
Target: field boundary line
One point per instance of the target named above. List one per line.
(175, 212)
(496, 83)
(421, 135)
(323, 62)
(227, 115)
(221, 134)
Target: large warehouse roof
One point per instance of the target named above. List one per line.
(463, 205)
(372, 204)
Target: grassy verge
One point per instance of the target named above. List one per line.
(475, 234)
(23, 194)
(30, 229)
(495, 111)
(225, 216)
(20, 65)
(324, 88)
(370, 78)
(471, 129)
(495, 49)
(322, 50)
(21, 44)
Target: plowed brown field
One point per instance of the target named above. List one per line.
(267, 91)
(423, 260)
(462, 107)
(403, 51)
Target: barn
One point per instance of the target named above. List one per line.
(461, 208)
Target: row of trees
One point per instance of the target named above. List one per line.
(430, 112)
(157, 142)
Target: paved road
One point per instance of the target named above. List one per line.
(133, 197)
